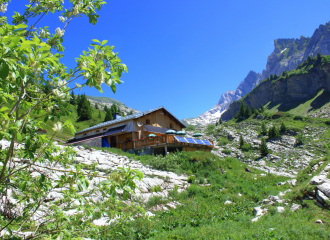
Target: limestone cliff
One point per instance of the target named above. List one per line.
(285, 91)
(287, 55)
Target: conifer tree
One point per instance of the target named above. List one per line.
(283, 127)
(263, 129)
(253, 110)
(309, 58)
(73, 100)
(241, 141)
(217, 123)
(241, 111)
(262, 109)
(105, 108)
(84, 109)
(247, 112)
(220, 121)
(99, 116)
(108, 116)
(263, 148)
(96, 106)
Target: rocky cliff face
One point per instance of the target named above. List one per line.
(287, 55)
(294, 88)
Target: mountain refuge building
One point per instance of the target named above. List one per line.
(141, 133)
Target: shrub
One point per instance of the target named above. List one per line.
(222, 141)
(190, 128)
(156, 200)
(191, 179)
(300, 118)
(246, 147)
(226, 151)
(156, 188)
(299, 139)
(273, 132)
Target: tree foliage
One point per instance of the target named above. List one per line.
(33, 80)
(263, 148)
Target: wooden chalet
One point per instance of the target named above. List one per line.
(130, 133)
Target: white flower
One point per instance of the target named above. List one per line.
(62, 19)
(58, 93)
(100, 78)
(59, 32)
(76, 10)
(42, 33)
(61, 83)
(3, 7)
(58, 127)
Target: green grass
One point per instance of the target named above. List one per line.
(203, 214)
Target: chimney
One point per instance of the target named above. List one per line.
(116, 116)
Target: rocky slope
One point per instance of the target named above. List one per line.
(287, 55)
(286, 91)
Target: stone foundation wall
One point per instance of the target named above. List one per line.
(91, 143)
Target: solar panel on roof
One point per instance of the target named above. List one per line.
(180, 139)
(191, 140)
(206, 142)
(199, 141)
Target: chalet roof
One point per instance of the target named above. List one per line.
(130, 117)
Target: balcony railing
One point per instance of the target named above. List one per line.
(165, 139)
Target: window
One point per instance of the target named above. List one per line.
(171, 125)
(104, 129)
(85, 134)
(97, 131)
(147, 121)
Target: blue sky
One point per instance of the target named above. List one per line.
(184, 54)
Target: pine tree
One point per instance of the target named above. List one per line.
(263, 129)
(263, 148)
(247, 112)
(108, 116)
(84, 109)
(262, 109)
(73, 100)
(99, 116)
(283, 127)
(241, 141)
(96, 106)
(105, 108)
(220, 121)
(253, 110)
(241, 111)
(217, 123)
(273, 132)
(309, 58)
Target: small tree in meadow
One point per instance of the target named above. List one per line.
(241, 141)
(263, 148)
(283, 127)
(263, 129)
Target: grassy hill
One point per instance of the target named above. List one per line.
(104, 100)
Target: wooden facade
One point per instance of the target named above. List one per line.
(131, 133)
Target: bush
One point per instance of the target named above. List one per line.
(191, 179)
(241, 141)
(299, 139)
(190, 128)
(300, 118)
(156, 188)
(156, 200)
(246, 147)
(226, 151)
(273, 132)
(222, 141)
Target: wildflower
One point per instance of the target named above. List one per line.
(58, 127)
(61, 83)
(76, 10)
(59, 32)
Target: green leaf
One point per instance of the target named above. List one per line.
(104, 42)
(3, 109)
(95, 40)
(4, 70)
(67, 122)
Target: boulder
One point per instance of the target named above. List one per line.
(295, 207)
(228, 202)
(325, 188)
(280, 209)
(317, 180)
(321, 197)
